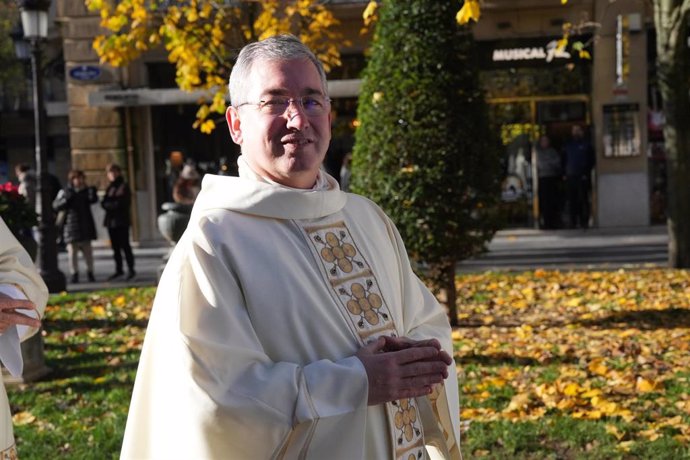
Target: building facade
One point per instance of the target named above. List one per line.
(536, 88)
(17, 137)
(135, 116)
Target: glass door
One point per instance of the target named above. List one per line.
(515, 120)
(522, 121)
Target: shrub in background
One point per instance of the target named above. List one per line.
(424, 149)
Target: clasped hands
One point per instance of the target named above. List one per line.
(9, 316)
(400, 367)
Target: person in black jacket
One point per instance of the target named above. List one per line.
(79, 229)
(579, 162)
(116, 203)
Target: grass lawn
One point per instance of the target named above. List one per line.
(553, 365)
(587, 365)
(92, 343)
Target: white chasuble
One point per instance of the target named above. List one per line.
(250, 349)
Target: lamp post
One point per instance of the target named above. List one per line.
(35, 29)
(34, 15)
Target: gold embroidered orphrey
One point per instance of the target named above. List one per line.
(9, 454)
(356, 287)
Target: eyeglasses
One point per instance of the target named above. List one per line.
(313, 105)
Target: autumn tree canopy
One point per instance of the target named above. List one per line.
(203, 37)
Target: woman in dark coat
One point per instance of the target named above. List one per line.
(116, 202)
(79, 228)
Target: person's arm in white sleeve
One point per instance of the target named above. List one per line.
(23, 296)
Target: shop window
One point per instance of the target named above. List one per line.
(561, 111)
(161, 75)
(529, 82)
(621, 130)
(351, 67)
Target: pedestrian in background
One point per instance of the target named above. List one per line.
(79, 229)
(550, 173)
(116, 203)
(346, 172)
(27, 183)
(187, 186)
(579, 161)
(23, 296)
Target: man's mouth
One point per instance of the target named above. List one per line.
(296, 140)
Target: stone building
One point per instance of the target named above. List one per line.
(135, 116)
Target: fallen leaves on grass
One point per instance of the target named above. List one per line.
(92, 344)
(23, 418)
(591, 345)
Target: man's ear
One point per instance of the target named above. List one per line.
(232, 116)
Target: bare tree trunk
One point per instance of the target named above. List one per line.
(448, 285)
(673, 65)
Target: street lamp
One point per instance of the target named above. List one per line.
(21, 46)
(34, 15)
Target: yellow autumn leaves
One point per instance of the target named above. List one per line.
(610, 346)
(469, 11)
(201, 38)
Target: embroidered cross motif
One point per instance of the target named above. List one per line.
(9, 454)
(366, 304)
(406, 420)
(337, 251)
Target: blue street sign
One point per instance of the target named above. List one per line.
(85, 72)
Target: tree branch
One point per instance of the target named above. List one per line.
(676, 18)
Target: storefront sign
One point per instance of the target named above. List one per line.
(549, 52)
(528, 52)
(85, 72)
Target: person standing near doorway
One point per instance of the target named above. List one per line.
(116, 202)
(75, 201)
(579, 160)
(550, 172)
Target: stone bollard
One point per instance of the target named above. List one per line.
(172, 224)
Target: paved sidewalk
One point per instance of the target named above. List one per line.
(511, 249)
(147, 261)
(598, 248)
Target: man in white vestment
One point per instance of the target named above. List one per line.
(23, 297)
(288, 322)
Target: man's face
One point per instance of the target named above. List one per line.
(287, 148)
(113, 174)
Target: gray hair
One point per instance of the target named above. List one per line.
(278, 48)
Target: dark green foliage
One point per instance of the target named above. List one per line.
(10, 67)
(424, 149)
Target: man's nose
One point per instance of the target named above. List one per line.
(296, 117)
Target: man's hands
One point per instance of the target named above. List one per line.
(399, 367)
(9, 316)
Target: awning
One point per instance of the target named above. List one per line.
(146, 96)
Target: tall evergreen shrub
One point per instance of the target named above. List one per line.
(424, 149)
